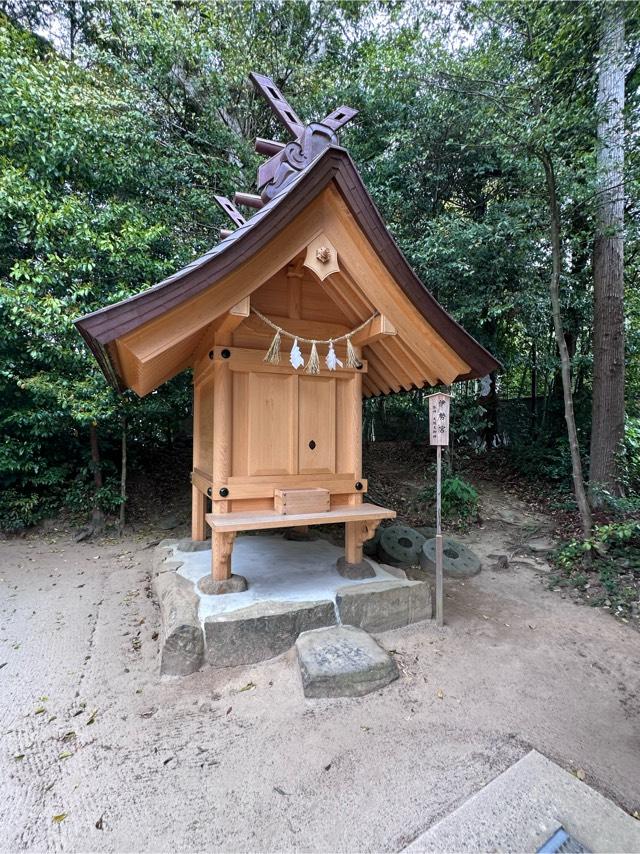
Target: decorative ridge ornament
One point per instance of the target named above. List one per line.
(308, 141)
(313, 365)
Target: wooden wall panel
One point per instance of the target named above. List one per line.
(203, 427)
(317, 303)
(240, 454)
(272, 423)
(348, 410)
(273, 296)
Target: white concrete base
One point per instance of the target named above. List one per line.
(522, 808)
(277, 570)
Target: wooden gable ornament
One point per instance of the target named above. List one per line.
(305, 307)
(322, 257)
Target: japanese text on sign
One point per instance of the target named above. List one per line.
(439, 419)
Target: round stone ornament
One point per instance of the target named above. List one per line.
(458, 561)
(400, 544)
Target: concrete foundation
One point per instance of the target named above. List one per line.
(292, 587)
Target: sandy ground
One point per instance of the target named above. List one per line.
(90, 733)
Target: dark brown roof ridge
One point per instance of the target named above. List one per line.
(101, 327)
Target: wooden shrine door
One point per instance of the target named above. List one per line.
(288, 426)
(317, 425)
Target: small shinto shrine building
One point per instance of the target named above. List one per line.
(300, 311)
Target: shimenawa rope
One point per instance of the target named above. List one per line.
(313, 364)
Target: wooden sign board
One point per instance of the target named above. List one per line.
(439, 405)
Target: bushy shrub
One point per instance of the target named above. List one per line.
(607, 565)
(83, 495)
(459, 498)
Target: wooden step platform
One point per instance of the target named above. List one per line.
(255, 521)
(360, 520)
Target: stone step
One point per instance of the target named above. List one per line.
(342, 661)
(523, 807)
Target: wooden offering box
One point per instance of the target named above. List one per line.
(291, 501)
(296, 315)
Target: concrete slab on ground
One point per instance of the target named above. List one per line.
(522, 808)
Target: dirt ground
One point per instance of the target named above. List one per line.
(98, 754)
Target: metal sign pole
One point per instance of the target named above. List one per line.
(439, 580)
(439, 405)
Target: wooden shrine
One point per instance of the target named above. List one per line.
(301, 310)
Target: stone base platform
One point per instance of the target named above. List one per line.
(292, 587)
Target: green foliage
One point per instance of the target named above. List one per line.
(630, 454)
(609, 562)
(80, 226)
(114, 141)
(547, 458)
(459, 498)
(82, 492)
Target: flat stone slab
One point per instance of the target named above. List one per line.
(343, 661)
(541, 545)
(524, 806)
(384, 605)
(262, 631)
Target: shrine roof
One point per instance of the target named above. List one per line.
(332, 165)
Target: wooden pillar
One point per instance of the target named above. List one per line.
(353, 542)
(222, 547)
(357, 533)
(222, 544)
(198, 500)
(198, 511)
(355, 431)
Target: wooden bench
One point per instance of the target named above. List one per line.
(361, 521)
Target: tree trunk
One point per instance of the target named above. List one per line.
(97, 516)
(607, 413)
(565, 361)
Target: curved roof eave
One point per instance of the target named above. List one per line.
(107, 324)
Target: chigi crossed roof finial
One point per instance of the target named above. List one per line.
(286, 160)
